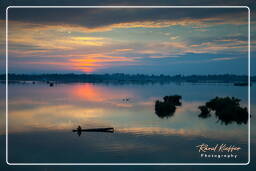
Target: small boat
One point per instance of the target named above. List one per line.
(94, 130)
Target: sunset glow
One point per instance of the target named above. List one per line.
(152, 44)
(92, 93)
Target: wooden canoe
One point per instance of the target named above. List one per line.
(95, 130)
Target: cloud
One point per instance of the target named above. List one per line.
(86, 62)
(174, 37)
(220, 46)
(81, 39)
(178, 48)
(48, 37)
(100, 18)
(91, 53)
(123, 50)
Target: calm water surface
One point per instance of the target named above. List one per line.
(41, 119)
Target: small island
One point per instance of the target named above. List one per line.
(167, 108)
(226, 109)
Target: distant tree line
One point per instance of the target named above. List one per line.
(121, 77)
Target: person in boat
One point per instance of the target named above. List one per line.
(79, 128)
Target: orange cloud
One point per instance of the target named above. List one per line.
(86, 69)
(122, 50)
(49, 37)
(91, 62)
(86, 63)
(87, 38)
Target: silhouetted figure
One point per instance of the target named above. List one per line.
(51, 84)
(227, 110)
(79, 130)
(167, 107)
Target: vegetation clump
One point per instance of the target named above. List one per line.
(205, 112)
(175, 100)
(227, 110)
(167, 107)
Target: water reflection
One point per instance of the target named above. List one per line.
(42, 111)
(167, 108)
(103, 105)
(94, 93)
(227, 110)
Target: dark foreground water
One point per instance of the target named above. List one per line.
(41, 119)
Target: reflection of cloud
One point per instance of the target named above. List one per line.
(122, 50)
(174, 37)
(223, 59)
(25, 101)
(158, 130)
(51, 117)
(94, 106)
(66, 117)
(146, 103)
(89, 93)
(93, 93)
(185, 132)
(125, 105)
(188, 107)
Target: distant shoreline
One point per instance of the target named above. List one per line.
(127, 78)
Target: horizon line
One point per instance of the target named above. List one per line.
(125, 74)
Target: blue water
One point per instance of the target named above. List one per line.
(41, 119)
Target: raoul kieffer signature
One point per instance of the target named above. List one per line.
(218, 148)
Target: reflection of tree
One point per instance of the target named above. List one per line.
(175, 100)
(205, 112)
(227, 110)
(167, 107)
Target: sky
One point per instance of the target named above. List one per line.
(148, 41)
